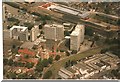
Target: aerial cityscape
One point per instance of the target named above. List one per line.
(61, 40)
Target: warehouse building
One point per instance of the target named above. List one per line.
(68, 10)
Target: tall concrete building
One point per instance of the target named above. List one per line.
(34, 33)
(19, 32)
(3, 12)
(54, 31)
(82, 32)
(77, 37)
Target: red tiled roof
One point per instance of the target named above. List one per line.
(52, 53)
(26, 51)
(33, 60)
(46, 5)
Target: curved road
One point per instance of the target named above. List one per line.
(58, 64)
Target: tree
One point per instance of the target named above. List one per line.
(8, 27)
(29, 65)
(107, 11)
(37, 19)
(40, 26)
(13, 4)
(39, 68)
(20, 64)
(47, 17)
(29, 25)
(26, 56)
(10, 62)
(57, 57)
(12, 19)
(118, 22)
(13, 46)
(89, 31)
(47, 75)
(22, 76)
(44, 22)
(45, 62)
(73, 62)
(67, 53)
(103, 51)
(5, 61)
(50, 60)
(96, 38)
(11, 75)
(41, 32)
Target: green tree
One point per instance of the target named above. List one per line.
(38, 19)
(103, 51)
(12, 19)
(50, 60)
(47, 75)
(89, 31)
(10, 62)
(57, 57)
(22, 76)
(47, 17)
(96, 38)
(45, 62)
(5, 61)
(39, 68)
(44, 22)
(20, 64)
(13, 46)
(40, 26)
(12, 4)
(118, 22)
(41, 32)
(26, 56)
(67, 53)
(29, 65)
(73, 62)
(29, 25)
(11, 75)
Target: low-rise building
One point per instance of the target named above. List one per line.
(65, 74)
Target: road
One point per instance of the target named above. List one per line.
(58, 64)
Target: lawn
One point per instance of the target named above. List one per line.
(57, 65)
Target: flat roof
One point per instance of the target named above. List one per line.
(19, 27)
(66, 71)
(53, 25)
(67, 37)
(75, 32)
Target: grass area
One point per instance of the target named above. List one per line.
(57, 65)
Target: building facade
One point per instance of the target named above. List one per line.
(77, 37)
(19, 32)
(34, 33)
(54, 31)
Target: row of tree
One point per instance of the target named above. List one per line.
(17, 64)
(70, 63)
(43, 63)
